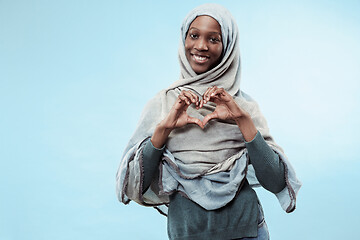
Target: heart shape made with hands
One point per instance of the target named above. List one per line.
(226, 108)
(205, 118)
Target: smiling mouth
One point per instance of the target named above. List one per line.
(199, 59)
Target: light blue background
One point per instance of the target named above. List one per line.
(75, 75)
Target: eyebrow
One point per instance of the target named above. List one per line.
(199, 30)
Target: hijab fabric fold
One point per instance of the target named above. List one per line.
(196, 158)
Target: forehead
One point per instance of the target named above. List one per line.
(206, 23)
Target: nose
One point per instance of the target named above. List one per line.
(201, 45)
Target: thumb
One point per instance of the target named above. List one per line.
(208, 117)
(195, 120)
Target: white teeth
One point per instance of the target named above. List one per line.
(200, 58)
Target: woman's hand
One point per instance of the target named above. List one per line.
(176, 118)
(226, 109)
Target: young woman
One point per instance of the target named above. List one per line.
(202, 143)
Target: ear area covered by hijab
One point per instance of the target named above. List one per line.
(193, 156)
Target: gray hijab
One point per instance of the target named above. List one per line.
(192, 153)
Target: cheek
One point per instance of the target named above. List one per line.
(217, 53)
(187, 47)
(219, 50)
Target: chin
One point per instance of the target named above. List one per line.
(199, 70)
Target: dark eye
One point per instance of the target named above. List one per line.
(214, 40)
(193, 36)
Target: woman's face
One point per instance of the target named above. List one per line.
(203, 44)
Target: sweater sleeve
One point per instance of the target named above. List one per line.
(151, 158)
(269, 170)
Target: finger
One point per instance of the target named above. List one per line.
(191, 96)
(218, 92)
(205, 93)
(211, 92)
(196, 121)
(195, 97)
(208, 94)
(184, 99)
(207, 90)
(201, 104)
(208, 117)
